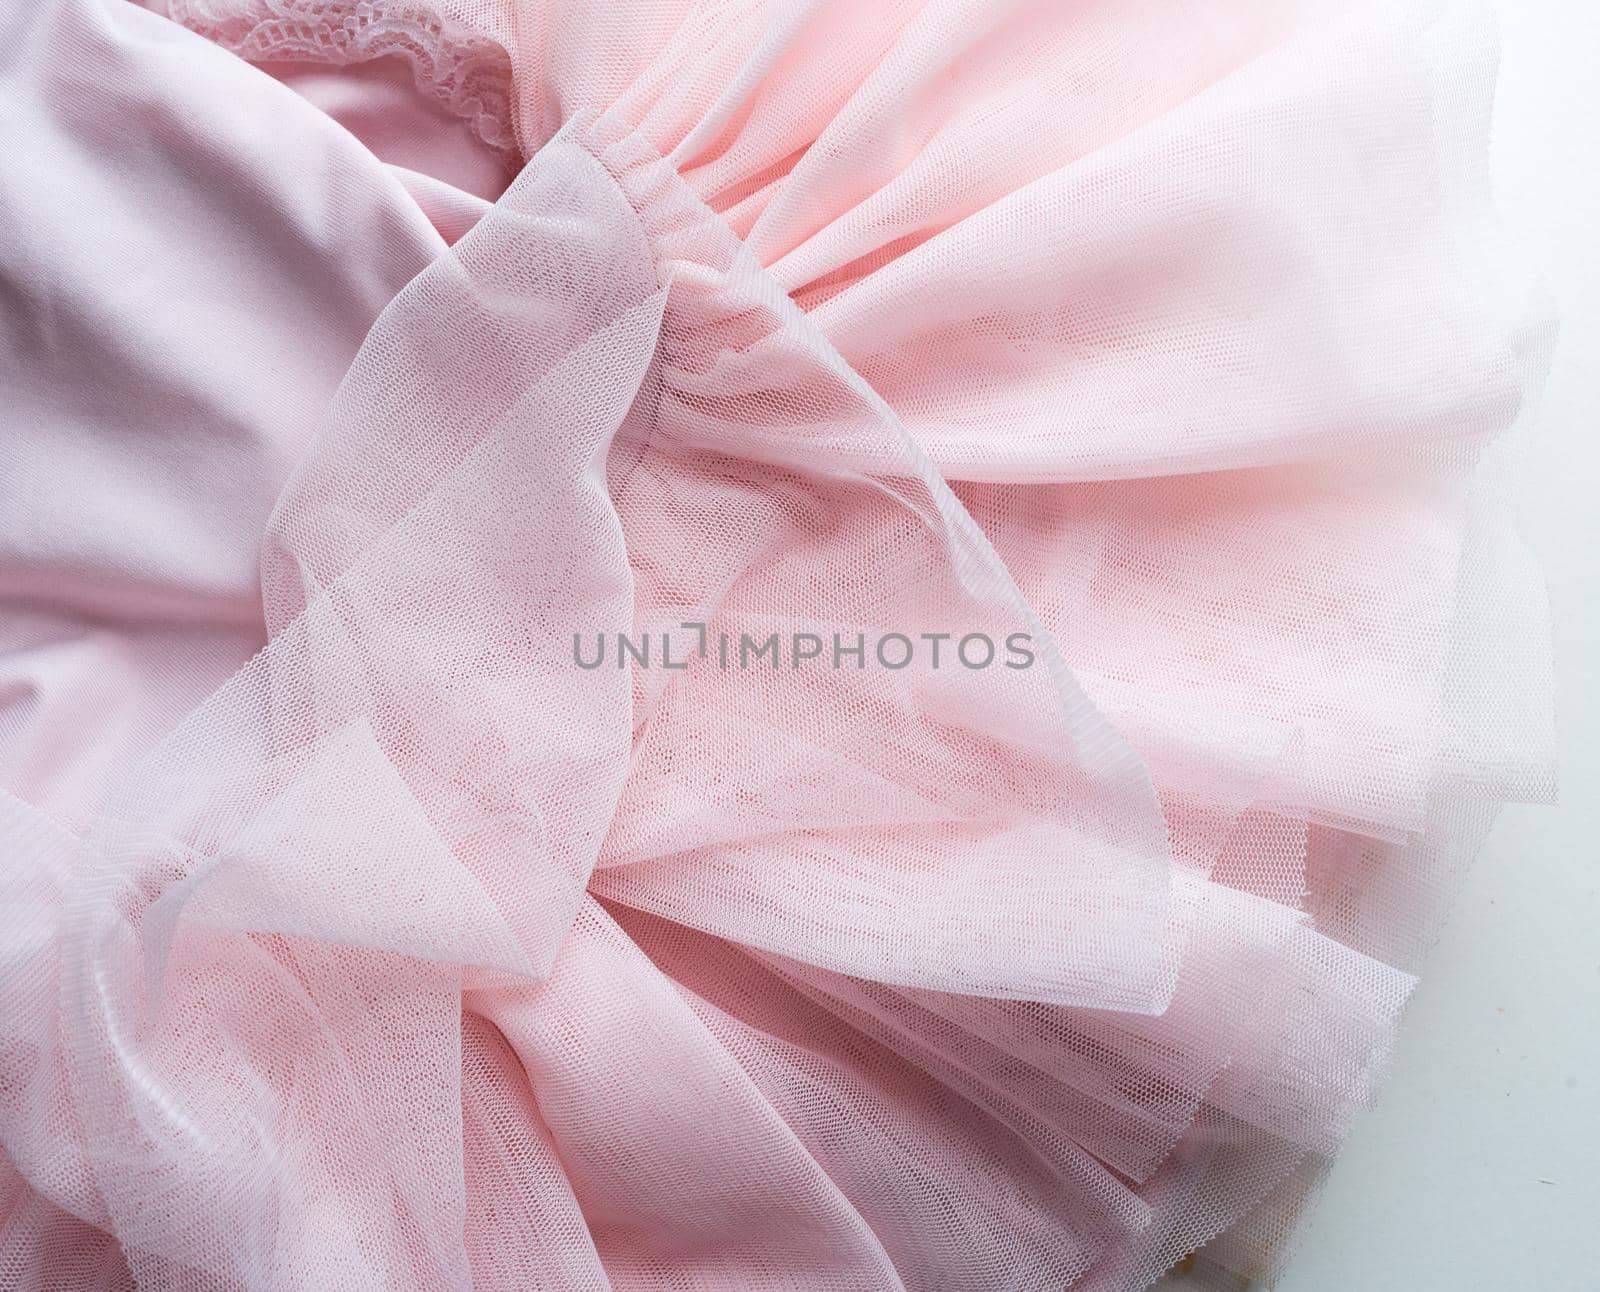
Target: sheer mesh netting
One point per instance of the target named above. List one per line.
(369, 935)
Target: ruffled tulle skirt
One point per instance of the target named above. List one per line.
(737, 645)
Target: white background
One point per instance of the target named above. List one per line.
(1478, 1169)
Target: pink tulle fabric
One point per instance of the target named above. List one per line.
(359, 356)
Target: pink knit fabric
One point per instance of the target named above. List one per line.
(371, 364)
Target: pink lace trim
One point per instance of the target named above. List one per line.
(468, 74)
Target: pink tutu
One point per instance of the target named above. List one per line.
(736, 644)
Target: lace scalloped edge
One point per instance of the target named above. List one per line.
(467, 74)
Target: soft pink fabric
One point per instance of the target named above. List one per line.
(359, 356)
